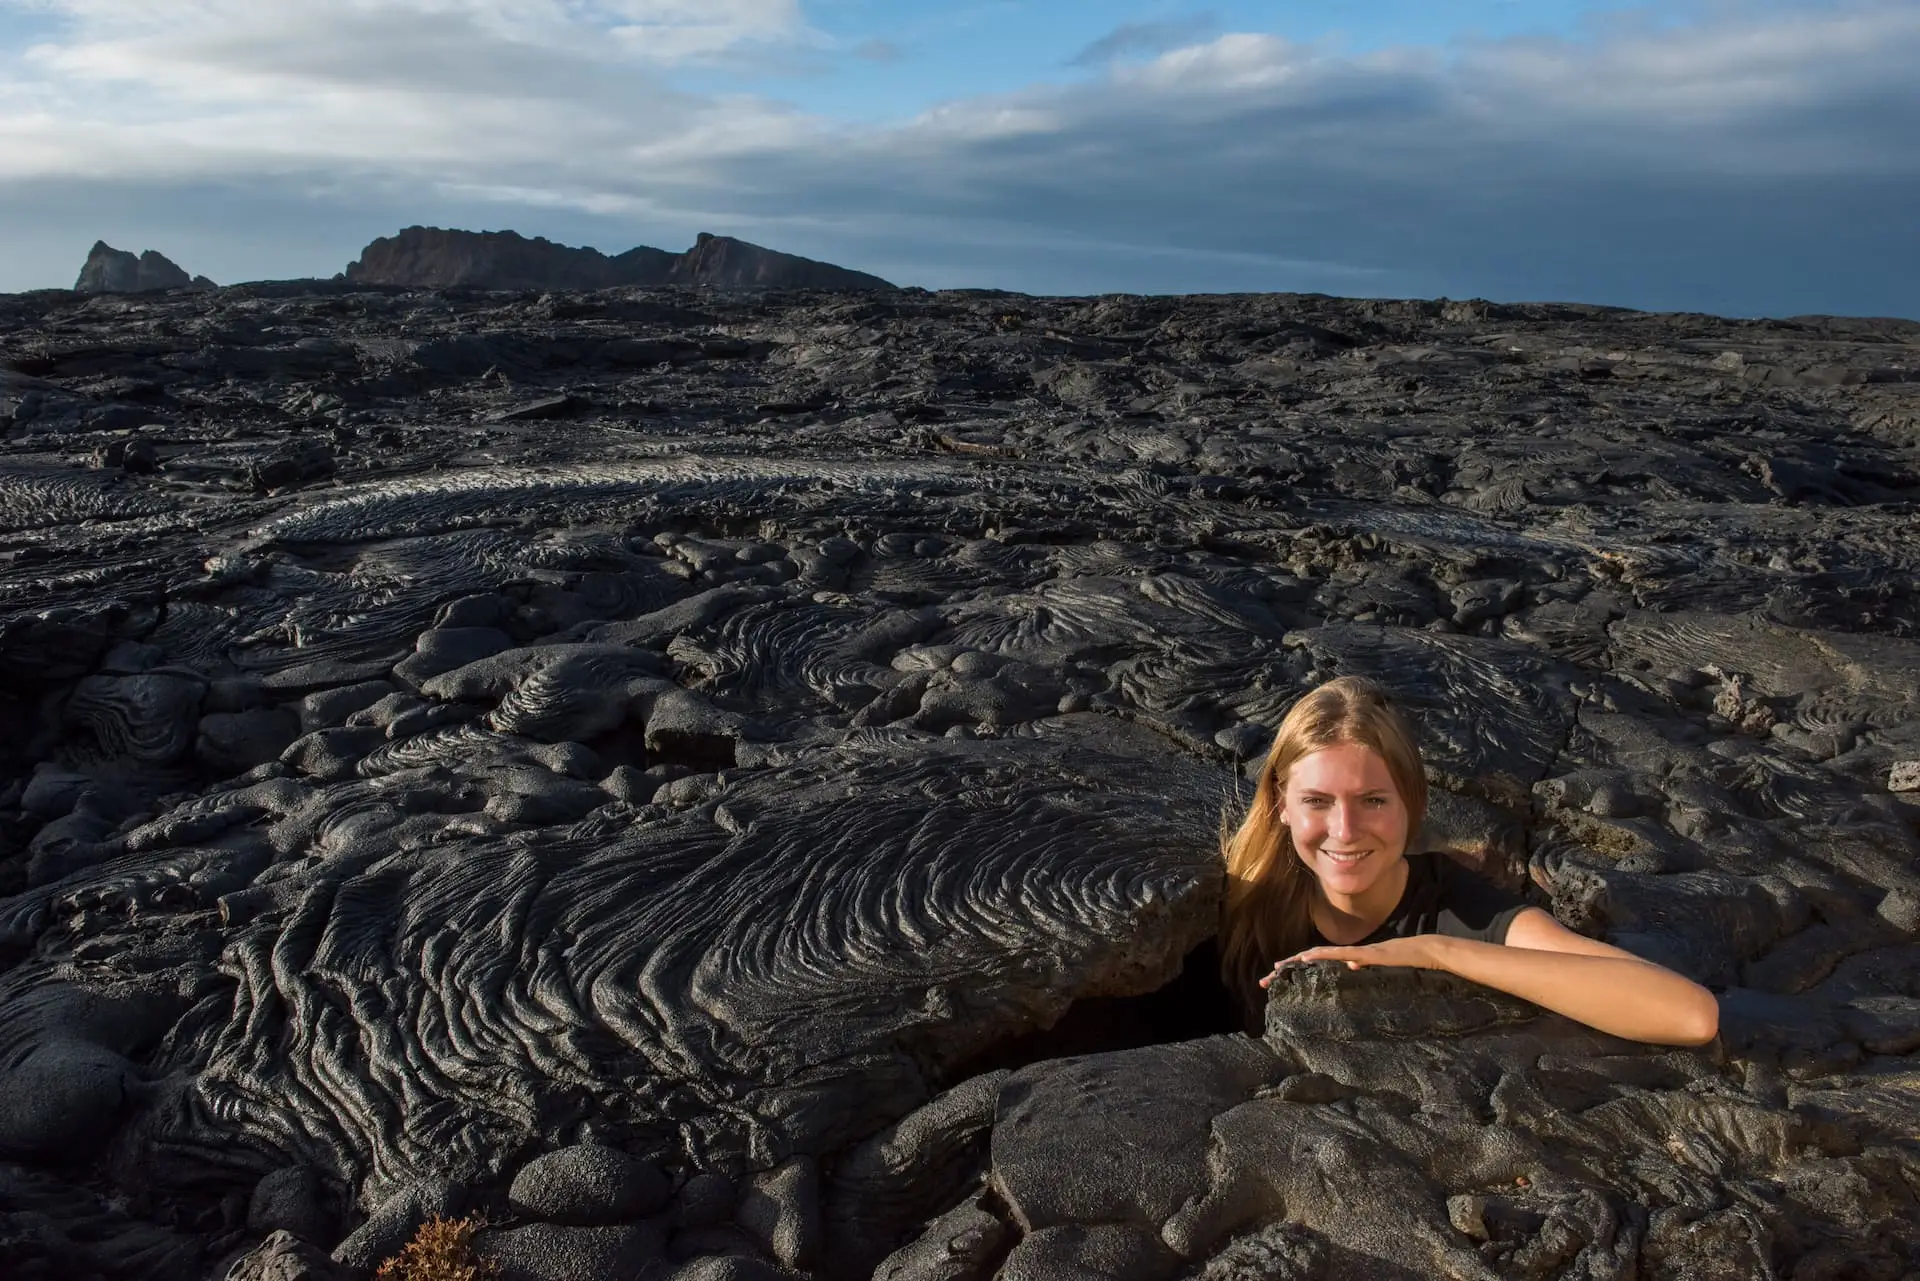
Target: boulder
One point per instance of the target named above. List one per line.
(552, 1252)
(589, 1184)
(235, 742)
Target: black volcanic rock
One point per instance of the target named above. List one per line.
(116, 271)
(778, 738)
(431, 258)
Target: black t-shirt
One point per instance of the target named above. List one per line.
(1441, 897)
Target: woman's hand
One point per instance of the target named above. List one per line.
(1420, 952)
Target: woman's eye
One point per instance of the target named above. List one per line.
(1376, 801)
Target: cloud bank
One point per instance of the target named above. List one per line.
(1754, 158)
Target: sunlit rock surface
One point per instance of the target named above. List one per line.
(719, 784)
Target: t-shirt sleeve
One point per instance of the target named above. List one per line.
(1472, 907)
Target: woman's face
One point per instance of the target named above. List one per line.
(1348, 823)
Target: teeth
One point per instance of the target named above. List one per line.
(1344, 858)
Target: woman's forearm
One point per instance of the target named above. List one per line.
(1628, 998)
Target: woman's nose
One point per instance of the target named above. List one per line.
(1340, 823)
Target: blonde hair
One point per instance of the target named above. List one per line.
(1267, 913)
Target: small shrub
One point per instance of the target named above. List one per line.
(442, 1250)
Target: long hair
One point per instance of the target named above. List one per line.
(1267, 913)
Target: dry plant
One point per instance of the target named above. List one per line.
(442, 1250)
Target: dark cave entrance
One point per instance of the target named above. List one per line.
(1193, 1005)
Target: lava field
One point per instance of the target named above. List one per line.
(723, 785)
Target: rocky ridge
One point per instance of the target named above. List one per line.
(116, 271)
(430, 258)
(724, 784)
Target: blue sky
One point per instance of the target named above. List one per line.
(1745, 157)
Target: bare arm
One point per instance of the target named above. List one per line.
(1544, 962)
(1592, 982)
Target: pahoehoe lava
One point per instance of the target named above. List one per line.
(723, 785)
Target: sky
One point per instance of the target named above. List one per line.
(1737, 157)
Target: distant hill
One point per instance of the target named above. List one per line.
(430, 258)
(115, 271)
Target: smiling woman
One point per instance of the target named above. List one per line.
(1320, 869)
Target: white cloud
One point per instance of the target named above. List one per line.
(473, 90)
(1237, 63)
(1740, 72)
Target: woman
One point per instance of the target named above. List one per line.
(1320, 870)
